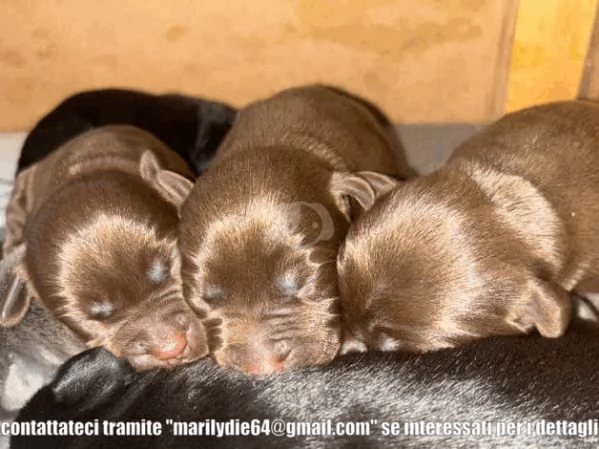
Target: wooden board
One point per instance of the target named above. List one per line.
(589, 86)
(424, 61)
(550, 46)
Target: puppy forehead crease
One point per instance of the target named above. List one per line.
(407, 236)
(110, 230)
(409, 263)
(267, 217)
(420, 205)
(524, 208)
(98, 245)
(267, 211)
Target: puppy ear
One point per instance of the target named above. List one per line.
(173, 187)
(90, 379)
(360, 190)
(547, 307)
(17, 209)
(15, 296)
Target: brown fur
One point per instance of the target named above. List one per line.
(260, 232)
(98, 224)
(490, 244)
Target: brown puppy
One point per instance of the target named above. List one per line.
(490, 244)
(261, 229)
(96, 227)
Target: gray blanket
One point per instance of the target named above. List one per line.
(30, 354)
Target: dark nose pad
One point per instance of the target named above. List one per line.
(260, 358)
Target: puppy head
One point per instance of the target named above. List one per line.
(266, 291)
(103, 257)
(425, 269)
(260, 270)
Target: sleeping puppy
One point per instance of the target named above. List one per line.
(260, 230)
(490, 244)
(192, 127)
(497, 382)
(95, 226)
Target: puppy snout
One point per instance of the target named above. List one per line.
(170, 347)
(182, 320)
(260, 357)
(164, 339)
(169, 339)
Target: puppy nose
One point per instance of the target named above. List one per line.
(260, 357)
(182, 320)
(267, 366)
(171, 347)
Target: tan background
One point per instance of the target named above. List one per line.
(549, 50)
(422, 61)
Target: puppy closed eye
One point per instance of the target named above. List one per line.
(214, 295)
(101, 309)
(289, 286)
(158, 272)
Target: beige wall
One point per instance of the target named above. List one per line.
(423, 61)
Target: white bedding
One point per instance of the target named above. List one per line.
(10, 147)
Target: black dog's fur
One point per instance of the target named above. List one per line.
(514, 379)
(192, 127)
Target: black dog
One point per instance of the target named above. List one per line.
(192, 127)
(527, 381)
